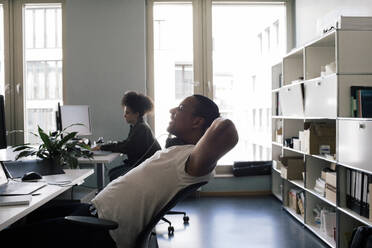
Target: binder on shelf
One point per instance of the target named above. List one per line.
(353, 98)
(348, 188)
(301, 203)
(357, 192)
(365, 204)
(364, 107)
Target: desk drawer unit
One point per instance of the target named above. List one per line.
(354, 139)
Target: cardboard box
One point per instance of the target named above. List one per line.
(292, 168)
(330, 193)
(331, 179)
(319, 134)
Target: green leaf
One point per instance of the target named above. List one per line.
(24, 154)
(66, 138)
(75, 124)
(45, 138)
(20, 148)
(26, 144)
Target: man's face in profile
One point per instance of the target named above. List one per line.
(182, 117)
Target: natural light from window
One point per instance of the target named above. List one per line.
(42, 66)
(242, 70)
(247, 40)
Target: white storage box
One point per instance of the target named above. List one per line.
(354, 143)
(321, 97)
(291, 100)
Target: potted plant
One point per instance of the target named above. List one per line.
(60, 147)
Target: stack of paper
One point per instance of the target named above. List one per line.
(320, 185)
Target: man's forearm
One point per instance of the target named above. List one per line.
(220, 138)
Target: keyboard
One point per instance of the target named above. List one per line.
(100, 153)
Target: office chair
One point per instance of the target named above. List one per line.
(144, 239)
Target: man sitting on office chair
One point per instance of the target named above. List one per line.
(133, 199)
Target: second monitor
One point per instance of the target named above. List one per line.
(72, 114)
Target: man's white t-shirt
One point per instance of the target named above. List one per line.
(133, 199)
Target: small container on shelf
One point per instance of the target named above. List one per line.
(292, 168)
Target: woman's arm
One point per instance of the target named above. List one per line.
(135, 139)
(220, 138)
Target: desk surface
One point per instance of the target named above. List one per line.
(8, 155)
(103, 159)
(10, 214)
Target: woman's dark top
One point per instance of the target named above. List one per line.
(140, 144)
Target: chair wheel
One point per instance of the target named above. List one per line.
(170, 230)
(186, 219)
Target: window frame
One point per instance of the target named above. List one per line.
(202, 43)
(14, 62)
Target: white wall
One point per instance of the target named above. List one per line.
(308, 12)
(104, 56)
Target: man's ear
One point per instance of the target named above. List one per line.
(198, 122)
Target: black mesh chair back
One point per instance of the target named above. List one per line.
(144, 237)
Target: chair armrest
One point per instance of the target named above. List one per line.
(92, 222)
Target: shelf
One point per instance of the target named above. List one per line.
(294, 214)
(354, 168)
(321, 77)
(276, 170)
(293, 150)
(277, 143)
(356, 216)
(321, 197)
(323, 158)
(276, 116)
(354, 118)
(319, 118)
(323, 236)
(292, 84)
(298, 183)
(275, 90)
(293, 117)
(278, 196)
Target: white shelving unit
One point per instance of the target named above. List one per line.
(302, 93)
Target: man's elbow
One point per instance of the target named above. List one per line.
(232, 132)
(227, 130)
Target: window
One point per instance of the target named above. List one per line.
(220, 48)
(267, 38)
(259, 38)
(276, 32)
(43, 66)
(173, 80)
(184, 82)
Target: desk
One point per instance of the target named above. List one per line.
(100, 162)
(10, 214)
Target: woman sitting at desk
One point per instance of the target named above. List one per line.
(140, 143)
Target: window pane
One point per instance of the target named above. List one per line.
(173, 59)
(242, 58)
(43, 66)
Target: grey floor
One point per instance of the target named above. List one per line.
(220, 222)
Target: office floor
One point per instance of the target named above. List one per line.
(224, 222)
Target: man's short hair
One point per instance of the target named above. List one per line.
(206, 109)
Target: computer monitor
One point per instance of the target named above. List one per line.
(73, 114)
(3, 143)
